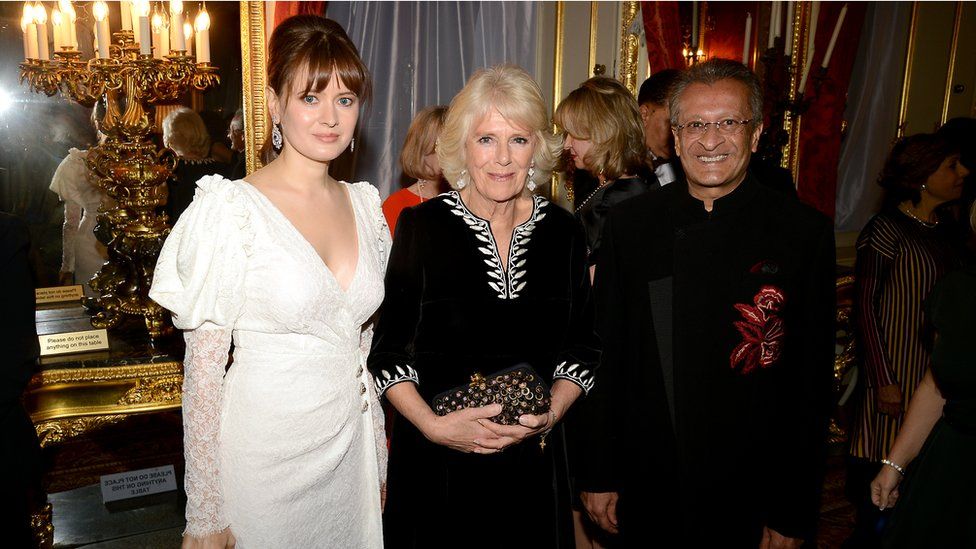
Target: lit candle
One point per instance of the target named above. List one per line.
(188, 37)
(40, 19)
(157, 30)
(102, 31)
(57, 23)
(746, 39)
(177, 39)
(72, 33)
(789, 29)
(145, 33)
(833, 37)
(126, 8)
(814, 17)
(806, 73)
(202, 25)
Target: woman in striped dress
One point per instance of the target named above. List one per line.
(901, 253)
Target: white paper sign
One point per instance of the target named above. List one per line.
(133, 484)
(73, 342)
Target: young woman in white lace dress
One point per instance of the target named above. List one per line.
(287, 449)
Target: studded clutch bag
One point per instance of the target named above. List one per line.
(519, 390)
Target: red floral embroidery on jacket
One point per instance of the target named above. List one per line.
(762, 331)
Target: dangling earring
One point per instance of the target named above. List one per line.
(462, 179)
(531, 183)
(923, 187)
(352, 145)
(276, 139)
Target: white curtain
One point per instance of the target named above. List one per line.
(874, 100)
(421, 54)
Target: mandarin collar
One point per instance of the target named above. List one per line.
(728, 204)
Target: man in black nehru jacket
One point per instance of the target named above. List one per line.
(715, 300)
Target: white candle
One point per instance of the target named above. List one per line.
(771, 39)
(72, 32)
(694, 25)
(40, 19)
(833, 37)
(23, 31)
(806, 73)
(778, 20)
(202, 25)
(188, 37)
(746, 39)
(144, 32)
(789, 29)
(812, 37)
(57, 23)
(177, 40)
(126, 8)
(156, 23)
(102, 30)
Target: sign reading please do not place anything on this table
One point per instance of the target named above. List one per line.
(133, 484)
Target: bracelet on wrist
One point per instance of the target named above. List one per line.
(895, 466)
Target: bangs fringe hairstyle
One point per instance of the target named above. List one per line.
(421, 141)
(605, 113)
(517, 97)
(317, 48)
(911, 161)
(185, 133)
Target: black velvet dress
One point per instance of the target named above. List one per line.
(451, 310)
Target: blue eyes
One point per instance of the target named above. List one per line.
(342, 101)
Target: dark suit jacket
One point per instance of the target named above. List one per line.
(710, 409)
(20, 466)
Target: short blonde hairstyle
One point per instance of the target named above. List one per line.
(421, 141)
(185, 133)
(605, 113)
(517, 97)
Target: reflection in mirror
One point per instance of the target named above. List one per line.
(43, 141)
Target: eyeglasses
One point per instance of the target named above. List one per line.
(728, 126)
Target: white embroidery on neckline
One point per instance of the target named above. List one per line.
(507, 285)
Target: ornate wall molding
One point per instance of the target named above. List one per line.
(254, 76)
(629, 45)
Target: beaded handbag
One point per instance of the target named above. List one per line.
(519, 389)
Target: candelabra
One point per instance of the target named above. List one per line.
(128, 165)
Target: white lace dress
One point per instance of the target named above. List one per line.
(288, 448)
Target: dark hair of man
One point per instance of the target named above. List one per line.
(314, 47)
(911, 161)
(656, 89)
(711, 72)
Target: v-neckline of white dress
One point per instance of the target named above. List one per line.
(283, 220)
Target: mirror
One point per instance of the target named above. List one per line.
(39, 133)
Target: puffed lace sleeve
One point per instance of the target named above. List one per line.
(199, 278)
(381, 232)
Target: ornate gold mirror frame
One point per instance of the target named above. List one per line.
(254, 76)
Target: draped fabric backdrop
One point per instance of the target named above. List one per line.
(662, 29)
(419, 54)
(873, 104)
(820, 129)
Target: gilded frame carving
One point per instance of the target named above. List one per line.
(254, 75)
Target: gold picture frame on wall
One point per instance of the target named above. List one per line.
(254, 75)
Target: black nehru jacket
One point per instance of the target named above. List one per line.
(711, 409)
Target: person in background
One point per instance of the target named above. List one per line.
(961, 132)
(235, 134)
(20, 453)
(82, 254)
(604, 137)
(901, 253)
(929, 471)
(418, 159)
(653, 103)
(185, 133)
